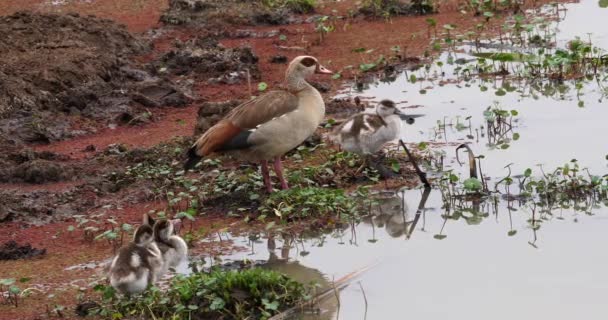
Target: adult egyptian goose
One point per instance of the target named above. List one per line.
(137, 264)
(366, 133)
(173, 248)
(268, 126)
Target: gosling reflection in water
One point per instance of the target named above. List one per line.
(392, 213)
(279, 260)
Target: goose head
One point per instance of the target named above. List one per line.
(302, 67)
(143, 235)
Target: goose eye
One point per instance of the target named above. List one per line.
(308, 62)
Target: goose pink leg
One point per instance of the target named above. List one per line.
(266, 175)
(278, 169)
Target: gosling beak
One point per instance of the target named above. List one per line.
(408, 118)
(322, 70)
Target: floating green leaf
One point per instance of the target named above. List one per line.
(500, 92)
(473, 184)
(262, 86)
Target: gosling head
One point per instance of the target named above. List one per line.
(387, 108)
(144, 234)
(163, 230)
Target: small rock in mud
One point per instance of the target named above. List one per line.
(278, 59)
(116, 148)
(323, 87)
(90, 148)
(12, 251)
(209, 113)
(206, 59)
(84, 309)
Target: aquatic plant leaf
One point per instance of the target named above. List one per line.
(439, 236)
(217, 304)
(500, 92)
(270, 305)
(603, 3)
(14, 289)
(367, 66)
(262, 86)
(511, 233)
(472, 184)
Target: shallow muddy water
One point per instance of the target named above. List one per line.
(491, 266)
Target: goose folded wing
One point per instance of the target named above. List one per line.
(233, 131)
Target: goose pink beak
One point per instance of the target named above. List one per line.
(322, 70)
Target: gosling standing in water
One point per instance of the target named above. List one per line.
(137, 264)
(173, 248)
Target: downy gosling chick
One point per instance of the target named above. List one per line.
(137, 264)
(173, 248)
(366, 133)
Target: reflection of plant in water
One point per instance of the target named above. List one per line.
(566, 187)
(500, 126)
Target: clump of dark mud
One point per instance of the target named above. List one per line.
(384, 8)
(58, 70)
(204, 58)
(216, 15)
(12, 251)
(33, 167)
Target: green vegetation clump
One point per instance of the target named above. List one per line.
(246, 294)
(296, 6)
(314, 202)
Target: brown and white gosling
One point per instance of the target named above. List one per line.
(366, 133)
(137, 264)
(173, 248)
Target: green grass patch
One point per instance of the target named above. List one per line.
(247, 294)
(314, 202)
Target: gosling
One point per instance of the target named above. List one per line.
(137, 264)
(365, 133)
(173, 248)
